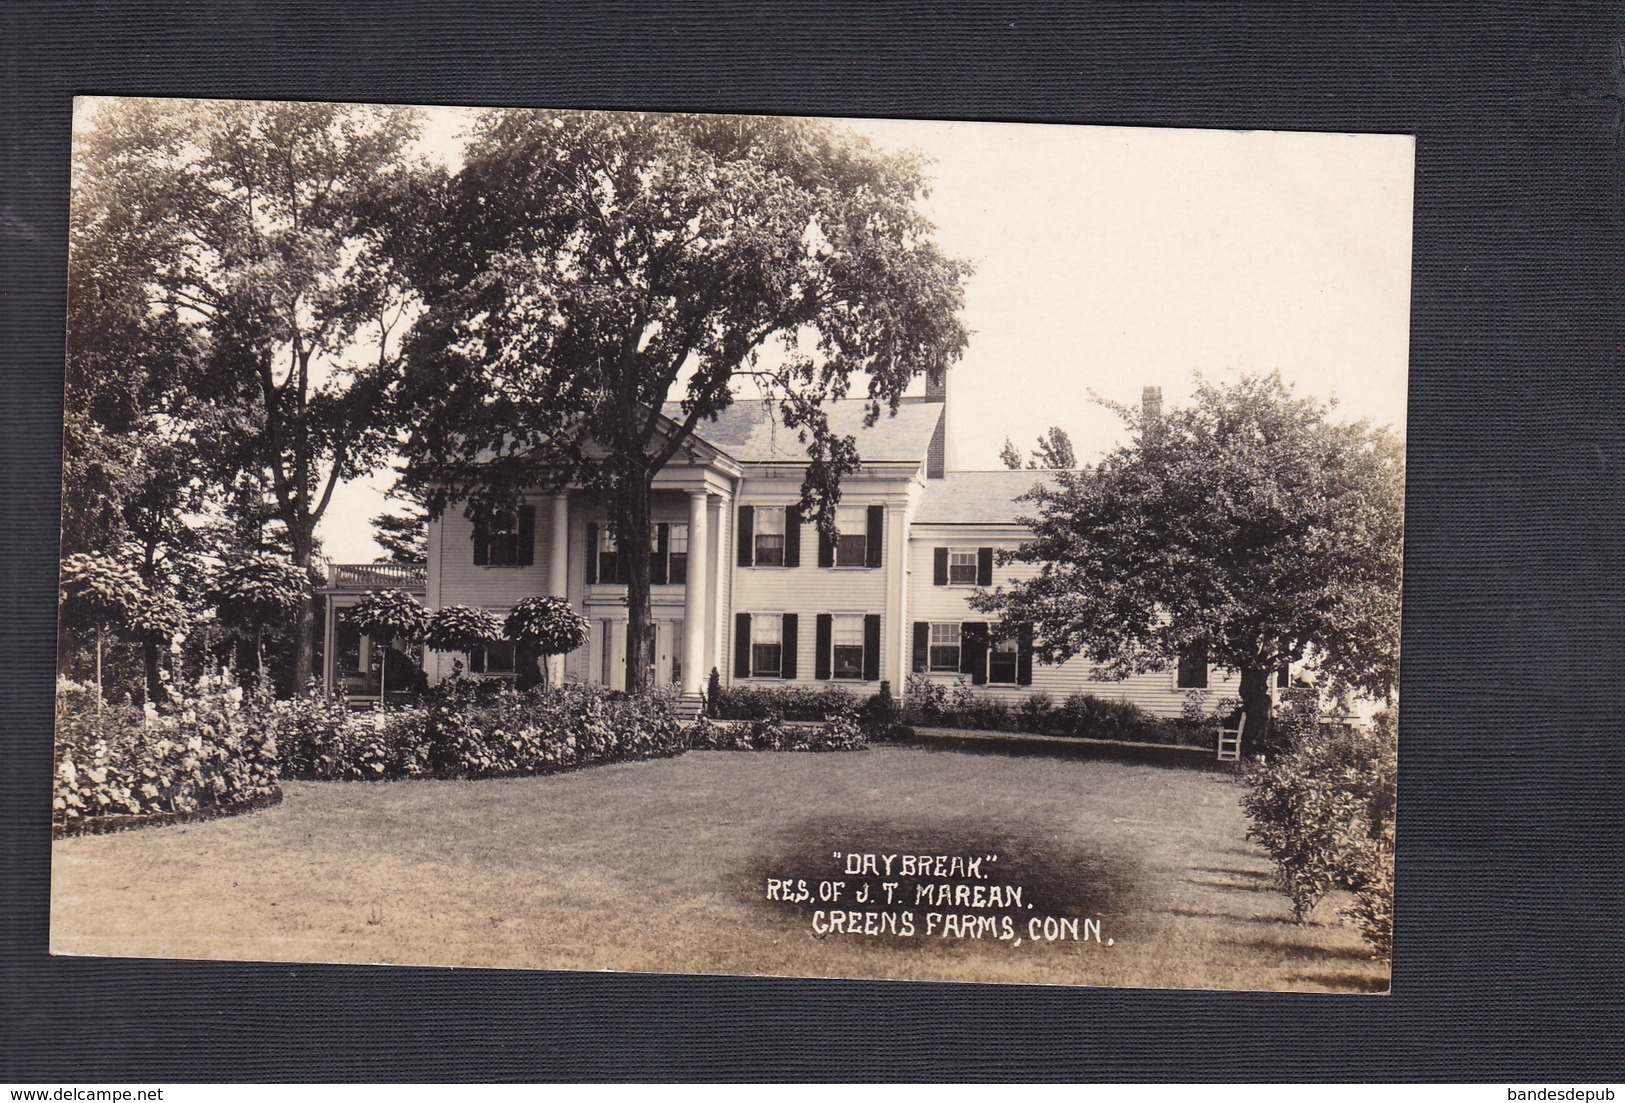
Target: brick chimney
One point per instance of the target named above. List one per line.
(936, 456)
(1151, 403)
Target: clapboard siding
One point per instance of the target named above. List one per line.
(1156, 692)
(463, 582)
(806, 590)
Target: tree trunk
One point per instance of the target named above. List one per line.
(149, 659)
(304, 652)
(1258, 735)
(632, 537)
(98, 668)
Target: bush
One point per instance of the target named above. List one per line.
(468, 730)
(1324, 812)
(784, 702)
(204, 750)
(841, 732)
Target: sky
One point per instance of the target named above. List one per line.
(1108, 259)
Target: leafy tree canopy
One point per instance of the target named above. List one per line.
(461, 628)
(1249, 522)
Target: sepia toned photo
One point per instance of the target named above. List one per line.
(540, 539)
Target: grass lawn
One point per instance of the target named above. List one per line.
(663, 865)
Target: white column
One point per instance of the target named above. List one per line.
(721, 550)
(694, 595)
(558, 580)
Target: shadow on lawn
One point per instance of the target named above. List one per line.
(1056, 879)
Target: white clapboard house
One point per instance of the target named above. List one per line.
(740, 583)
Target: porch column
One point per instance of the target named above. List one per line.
(694, 606)
(558, 579)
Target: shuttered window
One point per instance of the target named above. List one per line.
(1001, 662)
(852, 541)
(846, 643)
(506, 539)
(770, 538)
(1192, 672)
(608, 556)
(766, 645)
(946, 640)
(962, 566)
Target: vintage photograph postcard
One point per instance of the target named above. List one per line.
(541, 539)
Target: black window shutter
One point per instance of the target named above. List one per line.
(792, 536)
(527, 535)
(592, 552)
(657, 561)
(826, 549)
(984, 566)
(876, 536)
(482, 542)
(787, 662)
(939, 566)
(1283, 677)
(747, 535)
(922, 646)
(1024, 655)
(871, 647)
(973, 651)
(476, 661)
(742, 645)
(823, 642)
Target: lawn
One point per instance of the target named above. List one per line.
(663, 866)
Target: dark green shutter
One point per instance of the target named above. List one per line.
(476, 661)
(790, 635)
(527, 536)
(742, 645)
(973, 651)
(592, 552)
(922, 646)
(824, 638)
(876, 537)
(482, 542)
(984, 566)
(747, 535)
(1024, 655)
(792, 536)
(939, 567)
(871, 647)
(826, 549)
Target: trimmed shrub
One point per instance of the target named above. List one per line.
(841, 732)
(784, 702)
(207, 750)
(469, 730)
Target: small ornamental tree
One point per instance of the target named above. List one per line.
(386, 616)
(1248, 527)
(99, 591)
(159, 621)
(461, 628)
(547, 626)
(258, 589)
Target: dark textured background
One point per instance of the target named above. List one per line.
(1509, 963)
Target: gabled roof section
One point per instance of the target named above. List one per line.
(750, 431)
(979, 497)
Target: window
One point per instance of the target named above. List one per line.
(962, 567)
(668, 554)
(493, 658)
(505, 539)
(852, 543)
(945, 643)
(608, 557)
(677, 555)
(847, 646)
(1193, 667)
(1002, 662)
(766, 646)
(770, 538)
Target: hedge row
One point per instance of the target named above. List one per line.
(206, 751)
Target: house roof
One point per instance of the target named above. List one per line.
(979, 497)
(751, 431)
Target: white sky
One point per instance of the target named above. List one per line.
(1109, 259)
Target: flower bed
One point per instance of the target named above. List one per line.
(464, 730)
(122, 766)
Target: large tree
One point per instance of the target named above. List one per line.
(1249, 526)
(586, 269)
(256, 231)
